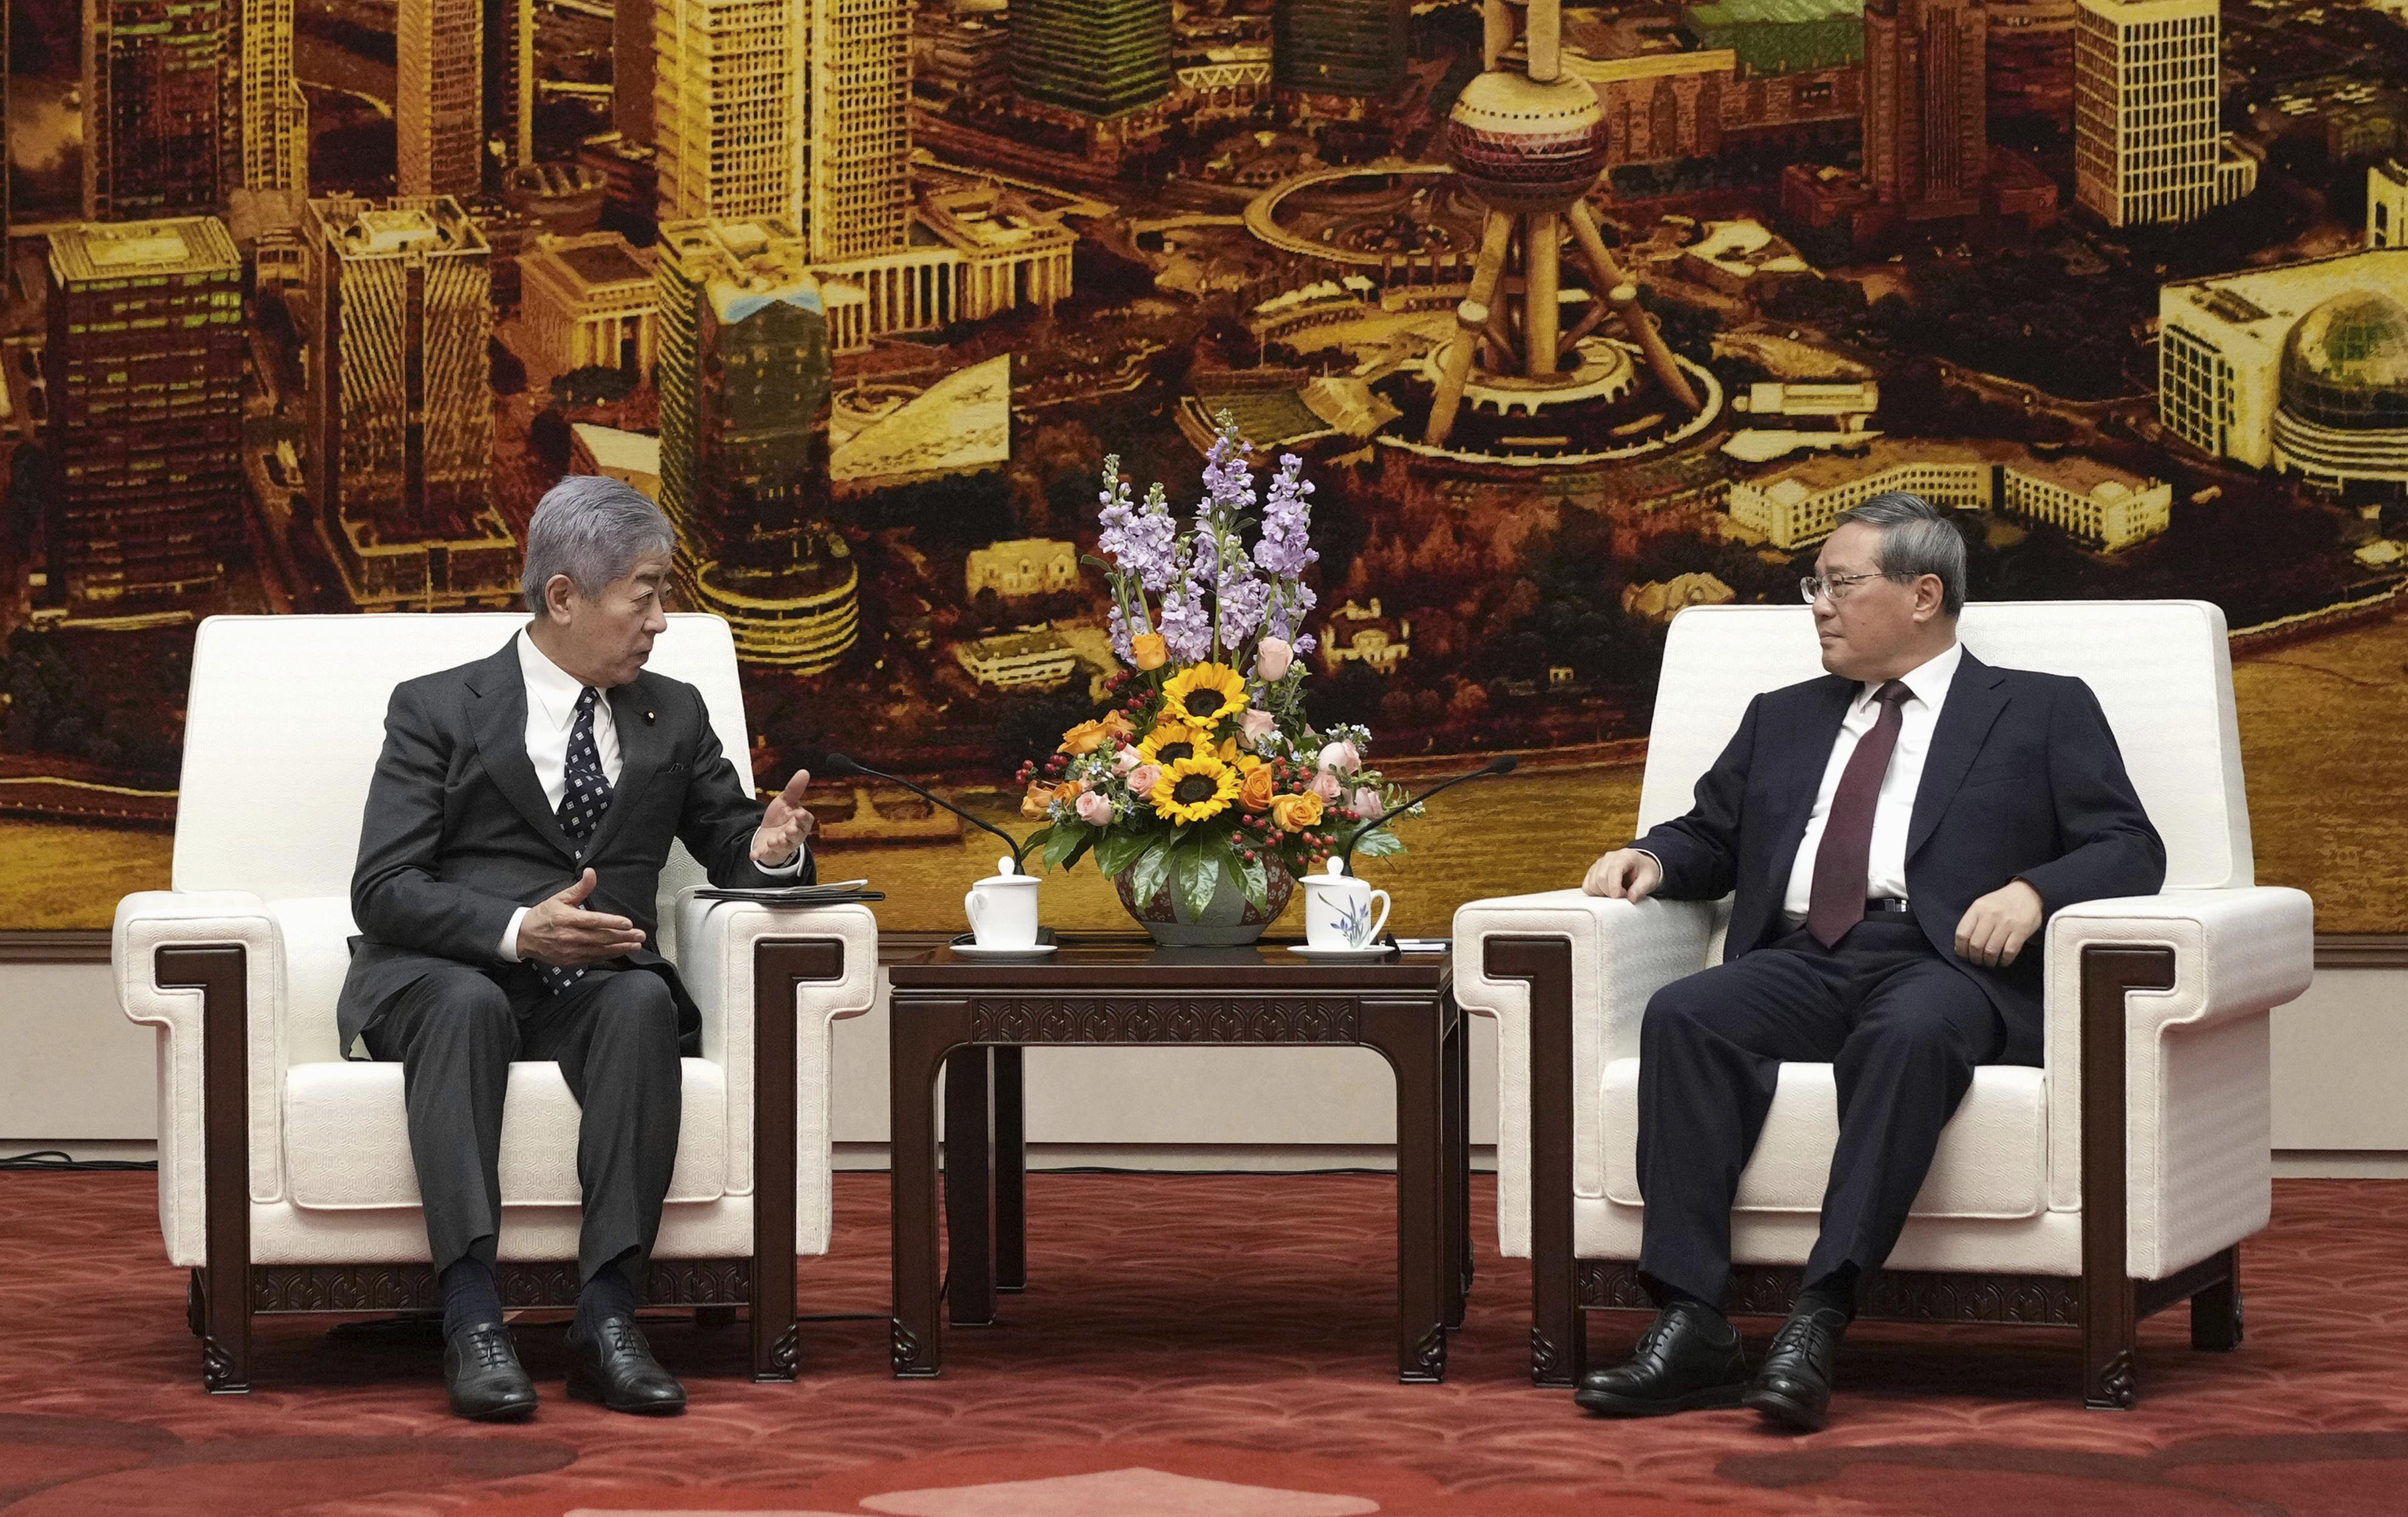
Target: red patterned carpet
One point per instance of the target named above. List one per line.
(1192, 1347)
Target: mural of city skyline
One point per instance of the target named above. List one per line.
(307, 302)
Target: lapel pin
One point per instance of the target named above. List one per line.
(647, 717)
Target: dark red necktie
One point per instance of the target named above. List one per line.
(1843, 860)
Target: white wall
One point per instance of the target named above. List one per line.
(75, 1074)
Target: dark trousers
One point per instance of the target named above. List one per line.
(614, 1034)
(1903, 1030)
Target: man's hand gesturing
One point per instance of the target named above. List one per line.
(1625, 874)
(786, 827)
(560, 931)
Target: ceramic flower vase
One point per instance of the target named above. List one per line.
(1228, 920)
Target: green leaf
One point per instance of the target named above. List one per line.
(1117, 851)
(1060, 845)
(1151, 867)
(1037, 842)
(1255, 878)
(1379, 845)
(1198, 874)
(1079, 850)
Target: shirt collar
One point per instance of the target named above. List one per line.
(1927, 681)
(550, 689)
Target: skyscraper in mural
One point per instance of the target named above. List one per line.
(1098, 58)
(145, 362)
(1346, 48)
(162, 107)
(438, 109)
(1926, 138)
(508, 85)
(2145, 146)
(744, 378)
(860, 138)
(729, 108)
(275, 112)
(397, 316)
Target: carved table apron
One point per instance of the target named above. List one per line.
(970, 1018)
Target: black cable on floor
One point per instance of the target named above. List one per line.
(48, 1161)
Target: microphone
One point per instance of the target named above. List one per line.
(1501, 765)
(841, 766)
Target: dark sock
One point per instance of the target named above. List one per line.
(1668, 1296)
(470, 1294)
(610, 1293)
(1835, 1291)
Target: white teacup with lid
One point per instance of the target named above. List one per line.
(1002, 908)
(1337, 911)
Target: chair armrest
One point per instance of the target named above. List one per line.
(1618, 956)
(148, 923)
(720, 943)
(2184, 1016)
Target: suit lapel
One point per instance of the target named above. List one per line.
(500, 723)
(644, 747)
(1976, 698)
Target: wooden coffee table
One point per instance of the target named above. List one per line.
(971, 1016)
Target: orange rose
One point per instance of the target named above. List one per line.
(1149, 651)
(1255, 792)
(1294, 813)
(1088, 736)
(1040, 796)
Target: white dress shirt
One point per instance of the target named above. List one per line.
(552, 696)
(1894, 810)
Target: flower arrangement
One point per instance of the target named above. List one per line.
(1204, 789)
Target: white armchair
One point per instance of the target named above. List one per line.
(2115, 1180)
(285, 1182)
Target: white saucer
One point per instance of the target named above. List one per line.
(1369, 950)
(1033, 950)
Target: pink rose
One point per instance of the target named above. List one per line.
(1326, 785)
(1254, 726)
(1096, 809)
(1272, 656)
(1339, 758)
(1144, 778)
(1366, 802)
(1127, 759)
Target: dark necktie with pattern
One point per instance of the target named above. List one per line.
(584, 796)
(1843, 860)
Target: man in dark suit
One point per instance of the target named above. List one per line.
(1897, 833)
(509, 859)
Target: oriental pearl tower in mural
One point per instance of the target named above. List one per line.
(1529, 141)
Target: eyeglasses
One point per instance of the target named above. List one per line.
(1813, 587)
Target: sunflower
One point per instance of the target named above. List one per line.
(1173, 739)
(1202, 694)
(1194, 789)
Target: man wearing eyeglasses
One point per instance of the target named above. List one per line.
(1895, 834)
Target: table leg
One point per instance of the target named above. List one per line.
(1010, 1175)
(1412, 1040)
(1454, 1166)
(921, 1034)
(970, 1191)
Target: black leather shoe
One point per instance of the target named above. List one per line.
(1687, 1358)
(487, 1382)
(1794, 1386)
(616, 1367)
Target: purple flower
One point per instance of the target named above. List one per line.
(1286, 548)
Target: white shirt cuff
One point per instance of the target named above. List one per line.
(511, 934)
(792, 866)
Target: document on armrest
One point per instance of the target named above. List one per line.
(841, 892)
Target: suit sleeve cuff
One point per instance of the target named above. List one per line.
(789, 869)
(510, 944)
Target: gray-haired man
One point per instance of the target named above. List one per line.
(509, 857)
(1894, 835)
